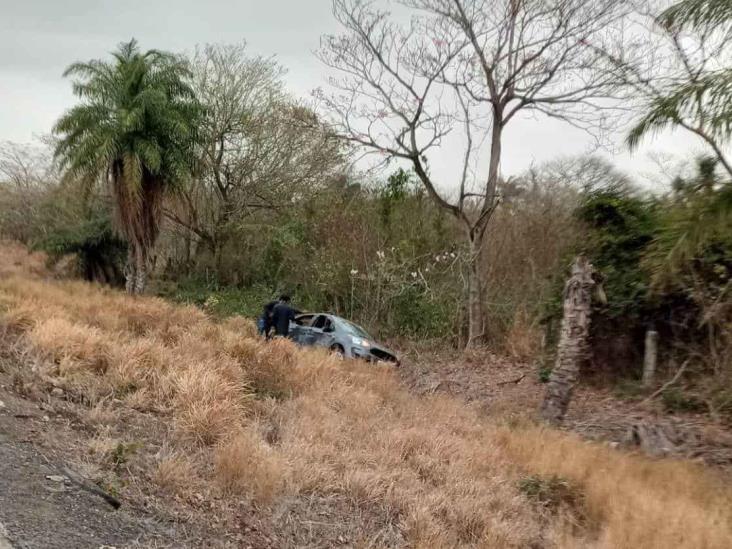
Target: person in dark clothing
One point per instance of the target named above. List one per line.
(282, 315)
(265, 321)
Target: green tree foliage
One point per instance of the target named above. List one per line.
(696, 227)
(91, 239)
(620, 224)
(698, 14)
(136, 126)
(378, 253)
(691, 257)
(666, 262)
(260, 150)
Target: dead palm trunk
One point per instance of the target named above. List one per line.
(573, 341)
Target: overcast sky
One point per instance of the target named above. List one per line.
(39, 38)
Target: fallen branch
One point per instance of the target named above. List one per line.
(666, 385)
(514, 381)
(91, 487)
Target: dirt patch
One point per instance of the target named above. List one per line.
(40, 507)
(513, 390)
(48, 444)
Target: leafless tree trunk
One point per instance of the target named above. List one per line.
(476, 318)
(466, 67)
(573, 341)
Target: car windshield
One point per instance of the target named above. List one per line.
(352, 329)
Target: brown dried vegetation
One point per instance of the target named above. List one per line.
(283, 428)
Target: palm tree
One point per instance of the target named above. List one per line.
(135, 128)
(701, 101)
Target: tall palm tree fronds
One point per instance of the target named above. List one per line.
(135, 126)
(697, 14)
(696, 227)
(700, 99)
(714, 91)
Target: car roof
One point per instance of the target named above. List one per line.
(321, 314)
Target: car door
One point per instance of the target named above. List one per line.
(326, 336)
(322, 331)
(300, 330)
(310, 334)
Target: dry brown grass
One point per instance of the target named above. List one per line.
(246, 464)
(176, 473)
(15, 259)
(281, 426)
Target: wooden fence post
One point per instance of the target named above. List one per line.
(649, 358)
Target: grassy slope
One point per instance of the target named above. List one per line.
(286, 429)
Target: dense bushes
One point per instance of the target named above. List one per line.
(381, 254)
(375, 249)
(666, 263)
(99, 251)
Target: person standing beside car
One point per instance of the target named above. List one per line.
(265, 321)
(282, 315)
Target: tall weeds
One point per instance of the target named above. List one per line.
(281, 426)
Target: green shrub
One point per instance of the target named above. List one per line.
(551, 493)
(90, 237)
(676, 400)
(620, 225)
(220, 300)
(417, 314)
(544, 374)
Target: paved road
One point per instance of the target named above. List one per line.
(4, 543)
(41, 509)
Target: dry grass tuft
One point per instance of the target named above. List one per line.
(101, 415)
(209, 406)
(245, 464)
(73, 346)
(176, 473)
(243, 327)
(637, 502)
(16, 260)
(286, 427)
(271, 367)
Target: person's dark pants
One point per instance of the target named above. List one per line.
(264, 328)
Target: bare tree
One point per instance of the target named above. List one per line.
(468, 67)
(27, 174)
(260, 147)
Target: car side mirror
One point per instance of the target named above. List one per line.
(328, 329)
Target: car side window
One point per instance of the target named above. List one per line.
(305, 320)
(319, 322)
(328, 327)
